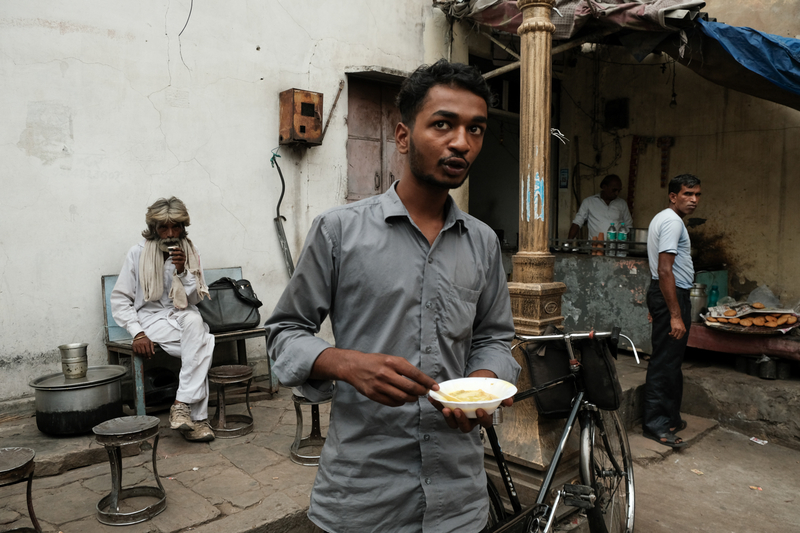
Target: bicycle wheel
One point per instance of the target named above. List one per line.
(607, 467)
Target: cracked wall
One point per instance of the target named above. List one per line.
(109, 107)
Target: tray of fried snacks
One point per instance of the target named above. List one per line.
(752, 318)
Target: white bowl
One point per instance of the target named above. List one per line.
(496, 387)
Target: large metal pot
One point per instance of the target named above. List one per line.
(74, 406)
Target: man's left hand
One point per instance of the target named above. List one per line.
(457, 419)
(178, 259)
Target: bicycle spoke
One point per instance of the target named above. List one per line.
(605, 458)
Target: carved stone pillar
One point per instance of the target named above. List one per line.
(535, 298)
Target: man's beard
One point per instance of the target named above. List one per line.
(165, 244)
(416, 169)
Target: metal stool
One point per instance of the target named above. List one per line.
(314, 439)
(243, 424)
(115, 433)
(16, 464)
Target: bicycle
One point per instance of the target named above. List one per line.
(605, 462)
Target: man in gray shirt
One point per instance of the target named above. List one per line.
(672, 273)
(416, 294)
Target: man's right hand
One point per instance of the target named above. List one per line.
(386, 379)
(678, 328)
(143, 346)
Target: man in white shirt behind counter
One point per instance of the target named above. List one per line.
(602, 209)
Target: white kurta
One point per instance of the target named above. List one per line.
(179, 332)
(600, 215)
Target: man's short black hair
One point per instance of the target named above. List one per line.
(687, 180)
(608, 179)
(415, 88)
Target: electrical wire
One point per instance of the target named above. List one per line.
(191, 6)
(274, 162)
(180, 46)
(287, 253)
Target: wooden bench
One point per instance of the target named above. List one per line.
(705, 338)
(118, 340)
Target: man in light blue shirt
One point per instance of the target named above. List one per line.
(672, 273)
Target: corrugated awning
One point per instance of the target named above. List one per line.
(571, 17)
(749, 61)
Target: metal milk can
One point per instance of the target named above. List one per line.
(699, 300)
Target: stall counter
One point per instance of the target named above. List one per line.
(603, 292)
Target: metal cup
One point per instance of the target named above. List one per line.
(74, 362)
(497, 416)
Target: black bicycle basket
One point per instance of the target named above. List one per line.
(600, 375)
(549, 360)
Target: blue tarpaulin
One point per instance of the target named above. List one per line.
(772, 57)
(749, 61)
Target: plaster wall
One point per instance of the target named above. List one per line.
(741, 147)
(108, 106)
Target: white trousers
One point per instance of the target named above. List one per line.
(184, 334)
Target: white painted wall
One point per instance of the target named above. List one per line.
(106, 108)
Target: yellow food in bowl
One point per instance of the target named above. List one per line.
(472, 396)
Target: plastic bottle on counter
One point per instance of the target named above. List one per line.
(622, 241)
(611, 235)
(713, 296)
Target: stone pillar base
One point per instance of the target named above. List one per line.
(528, 440)
(536, 306)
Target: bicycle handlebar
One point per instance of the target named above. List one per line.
(566, 336)
(569, 337)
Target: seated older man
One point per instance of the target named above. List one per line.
(155, 299)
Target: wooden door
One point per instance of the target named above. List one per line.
(372, 159)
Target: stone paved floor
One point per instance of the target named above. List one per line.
(240, 485)
(232, 485)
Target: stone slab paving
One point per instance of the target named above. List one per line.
(241, 485)
(647, 451)
(238, 485)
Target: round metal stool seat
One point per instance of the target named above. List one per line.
(16, 466)
(228, 426)
(113, 434)
(315, 439)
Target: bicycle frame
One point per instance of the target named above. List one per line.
(530, 519)
(539, 510)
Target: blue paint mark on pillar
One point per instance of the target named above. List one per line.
(538, 198)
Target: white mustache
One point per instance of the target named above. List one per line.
(164, 244)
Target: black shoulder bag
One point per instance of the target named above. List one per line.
(233, 305)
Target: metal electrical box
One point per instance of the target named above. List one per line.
(301, 117)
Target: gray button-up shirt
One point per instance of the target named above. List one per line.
(446, 309)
